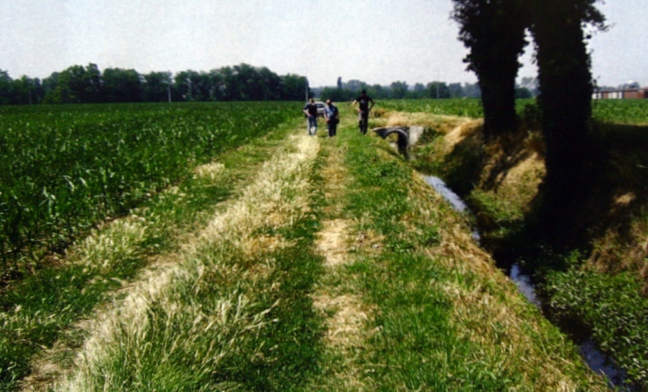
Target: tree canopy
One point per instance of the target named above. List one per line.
(494, 31)
(87, 84)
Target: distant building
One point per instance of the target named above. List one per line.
(624, 93)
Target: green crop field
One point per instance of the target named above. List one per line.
(629, 111)
(466, 107)
(65, 168)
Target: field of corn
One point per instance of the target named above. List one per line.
(63, 169)
(634, 112)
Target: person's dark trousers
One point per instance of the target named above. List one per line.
(363, 120)
(332, 129)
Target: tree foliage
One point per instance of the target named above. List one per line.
(399, 90)
(243, 82)
(87, 84)
(494, 31)
(77, 84)
(121, 85)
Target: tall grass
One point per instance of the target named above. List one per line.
(219, 318)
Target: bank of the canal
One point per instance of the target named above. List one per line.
(439, 314)
(598, 362)
(595, 291)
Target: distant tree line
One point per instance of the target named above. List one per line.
(87, 84)
(348, 91)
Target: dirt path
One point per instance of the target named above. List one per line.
(162, 313)
(345, 314)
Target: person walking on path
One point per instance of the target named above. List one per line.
(310, 110)
(332, 116)
(363, 110)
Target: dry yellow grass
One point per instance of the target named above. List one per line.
(615, 252)
(458, 133)
(346, 328)
(278, 196)
(332, 242)
(440, 123)
(209, 170)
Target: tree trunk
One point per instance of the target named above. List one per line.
(565, 100)
(498, 97)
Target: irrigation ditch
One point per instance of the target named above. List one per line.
(596, 360)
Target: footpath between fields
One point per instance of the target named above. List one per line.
(325, 264)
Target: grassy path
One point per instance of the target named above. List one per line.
(334, 267)
(429, 309)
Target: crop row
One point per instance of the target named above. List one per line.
(465, 107)
(628, 111)
(65, 168)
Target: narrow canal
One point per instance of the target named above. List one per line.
(595, 359)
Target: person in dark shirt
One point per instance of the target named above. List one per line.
(310, 110)
(365, 104)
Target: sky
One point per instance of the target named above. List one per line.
(376, 41)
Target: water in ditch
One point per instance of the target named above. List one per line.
(595, 359)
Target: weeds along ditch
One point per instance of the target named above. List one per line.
(595, 359)
(597, 291)
(446, 319)
(63, 169)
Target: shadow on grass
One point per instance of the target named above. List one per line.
(612, 194)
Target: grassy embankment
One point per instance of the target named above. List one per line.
(332, 267)
(598, 289)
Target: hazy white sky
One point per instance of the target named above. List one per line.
(377, 41)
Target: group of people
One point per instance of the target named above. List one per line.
(363, 105)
